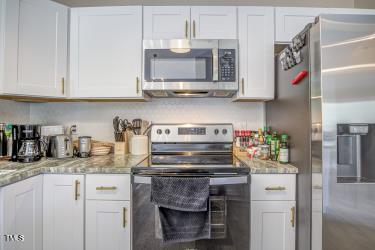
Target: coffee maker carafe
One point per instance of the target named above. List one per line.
(27, 139)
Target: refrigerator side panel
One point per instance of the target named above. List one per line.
(288, 113)
(316, 139)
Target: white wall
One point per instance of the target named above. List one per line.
(95, 119)
(14, 112)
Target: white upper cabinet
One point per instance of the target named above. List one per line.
(166, 22)
(256, 45)
(291, 20)
(185, 22)
(35, 47)
(214, 22)
(106, 52)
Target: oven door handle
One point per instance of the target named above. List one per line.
(215, 64)
(215, 181)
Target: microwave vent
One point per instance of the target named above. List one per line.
(222, 94)
(160, 93)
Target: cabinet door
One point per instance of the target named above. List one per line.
(63, 212)
(290, 21)
(106, 52)
(21, 214)
(166, 22)
(35, 48)
(256, 44)
(214, 22)
(273, 225)
(107, 225)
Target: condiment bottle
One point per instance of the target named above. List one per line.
(274, 146)
(284, 149)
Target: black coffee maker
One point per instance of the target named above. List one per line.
(26, 143)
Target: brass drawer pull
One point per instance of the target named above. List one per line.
(279, 188)
(102, 188)
(186, 29)
(124, 217)
(292, 220)
(243, 86)
(137, 84)
(194, 28)
(63, 85)
(77, 193)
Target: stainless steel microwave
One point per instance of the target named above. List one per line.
(190, 68)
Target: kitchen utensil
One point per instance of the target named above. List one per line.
(139, 145)
(146, 125)
(60, 146)
(84, 146)
(137, 125)
(3, 141)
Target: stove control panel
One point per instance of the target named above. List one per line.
(164, 133)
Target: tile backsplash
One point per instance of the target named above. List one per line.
(95, 119)
(14, 112)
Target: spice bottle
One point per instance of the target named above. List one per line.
(284, 149)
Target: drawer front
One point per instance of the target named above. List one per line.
(108, 187)
(273, 187)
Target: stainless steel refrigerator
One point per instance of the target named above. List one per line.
(330, 117)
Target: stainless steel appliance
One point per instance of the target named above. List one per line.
(330, 115)
(84, 146)
(27, 142)
(60, 146)
(194, 150)
(190, 68)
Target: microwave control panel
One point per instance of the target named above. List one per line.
(227, 65)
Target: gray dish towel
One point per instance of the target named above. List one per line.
(183, 207)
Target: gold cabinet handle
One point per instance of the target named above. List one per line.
(124, 217)
(63, 85)
(77, 193)
(278, 188)
(103, 188)
(292, 220)
(137, 84)
(243, 86)
(194, 28)
(317, 187)
(186, 29)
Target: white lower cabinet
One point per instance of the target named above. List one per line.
(107, 225)
(108, 212)
(273, 225)
(21, 214)
(63, 212)
(273, 212)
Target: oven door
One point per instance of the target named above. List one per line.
(230, 223)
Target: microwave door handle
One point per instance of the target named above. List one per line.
(215, 64)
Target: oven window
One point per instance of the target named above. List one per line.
(178, 68)
(164, 65)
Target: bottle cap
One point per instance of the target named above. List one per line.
(284, 136)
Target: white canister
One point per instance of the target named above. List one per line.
(139, 145)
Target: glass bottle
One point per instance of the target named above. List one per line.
(284, 149)
(274, 146)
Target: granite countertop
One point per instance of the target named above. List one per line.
(11, 172)
(266, 167)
